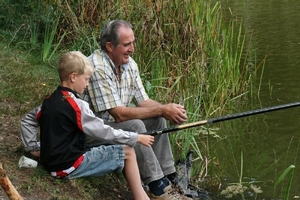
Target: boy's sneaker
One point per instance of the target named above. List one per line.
(169, 194)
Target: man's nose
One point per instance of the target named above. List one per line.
(131, 48)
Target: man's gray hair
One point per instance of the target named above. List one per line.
(110, 32)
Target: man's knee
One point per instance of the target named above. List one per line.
(161, 122)
(155, 123)
(137, 125)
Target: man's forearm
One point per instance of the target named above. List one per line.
(121, 114)
(175, 113)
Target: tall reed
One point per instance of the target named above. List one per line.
(50, 43)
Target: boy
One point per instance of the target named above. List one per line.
(64, 122)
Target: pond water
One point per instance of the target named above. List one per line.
(270, 142)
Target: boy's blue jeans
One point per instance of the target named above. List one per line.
(100, 161)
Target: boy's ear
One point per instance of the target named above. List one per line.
(72, 77)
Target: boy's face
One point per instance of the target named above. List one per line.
(120, 54)
(81, 82)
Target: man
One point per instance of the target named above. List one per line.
(115, 84)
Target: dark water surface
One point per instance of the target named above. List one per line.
(270, 141)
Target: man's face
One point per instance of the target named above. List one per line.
(120, 54)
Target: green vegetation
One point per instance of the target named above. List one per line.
(187, 52)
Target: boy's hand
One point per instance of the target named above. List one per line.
(146, 140)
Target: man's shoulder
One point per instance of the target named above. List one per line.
(96, 53)
(100, 60)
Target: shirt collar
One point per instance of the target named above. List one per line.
(124, 66)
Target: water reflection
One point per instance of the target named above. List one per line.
(267, 143)
(275, 27)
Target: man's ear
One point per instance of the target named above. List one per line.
(73, 77)
(109, 46)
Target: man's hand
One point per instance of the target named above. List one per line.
(146, 140)
(175, 113)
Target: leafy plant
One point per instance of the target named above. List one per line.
(50, 33)
(291, 169)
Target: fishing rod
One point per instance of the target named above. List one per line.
(220, 119)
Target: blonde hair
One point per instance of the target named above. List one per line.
(73, 61)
